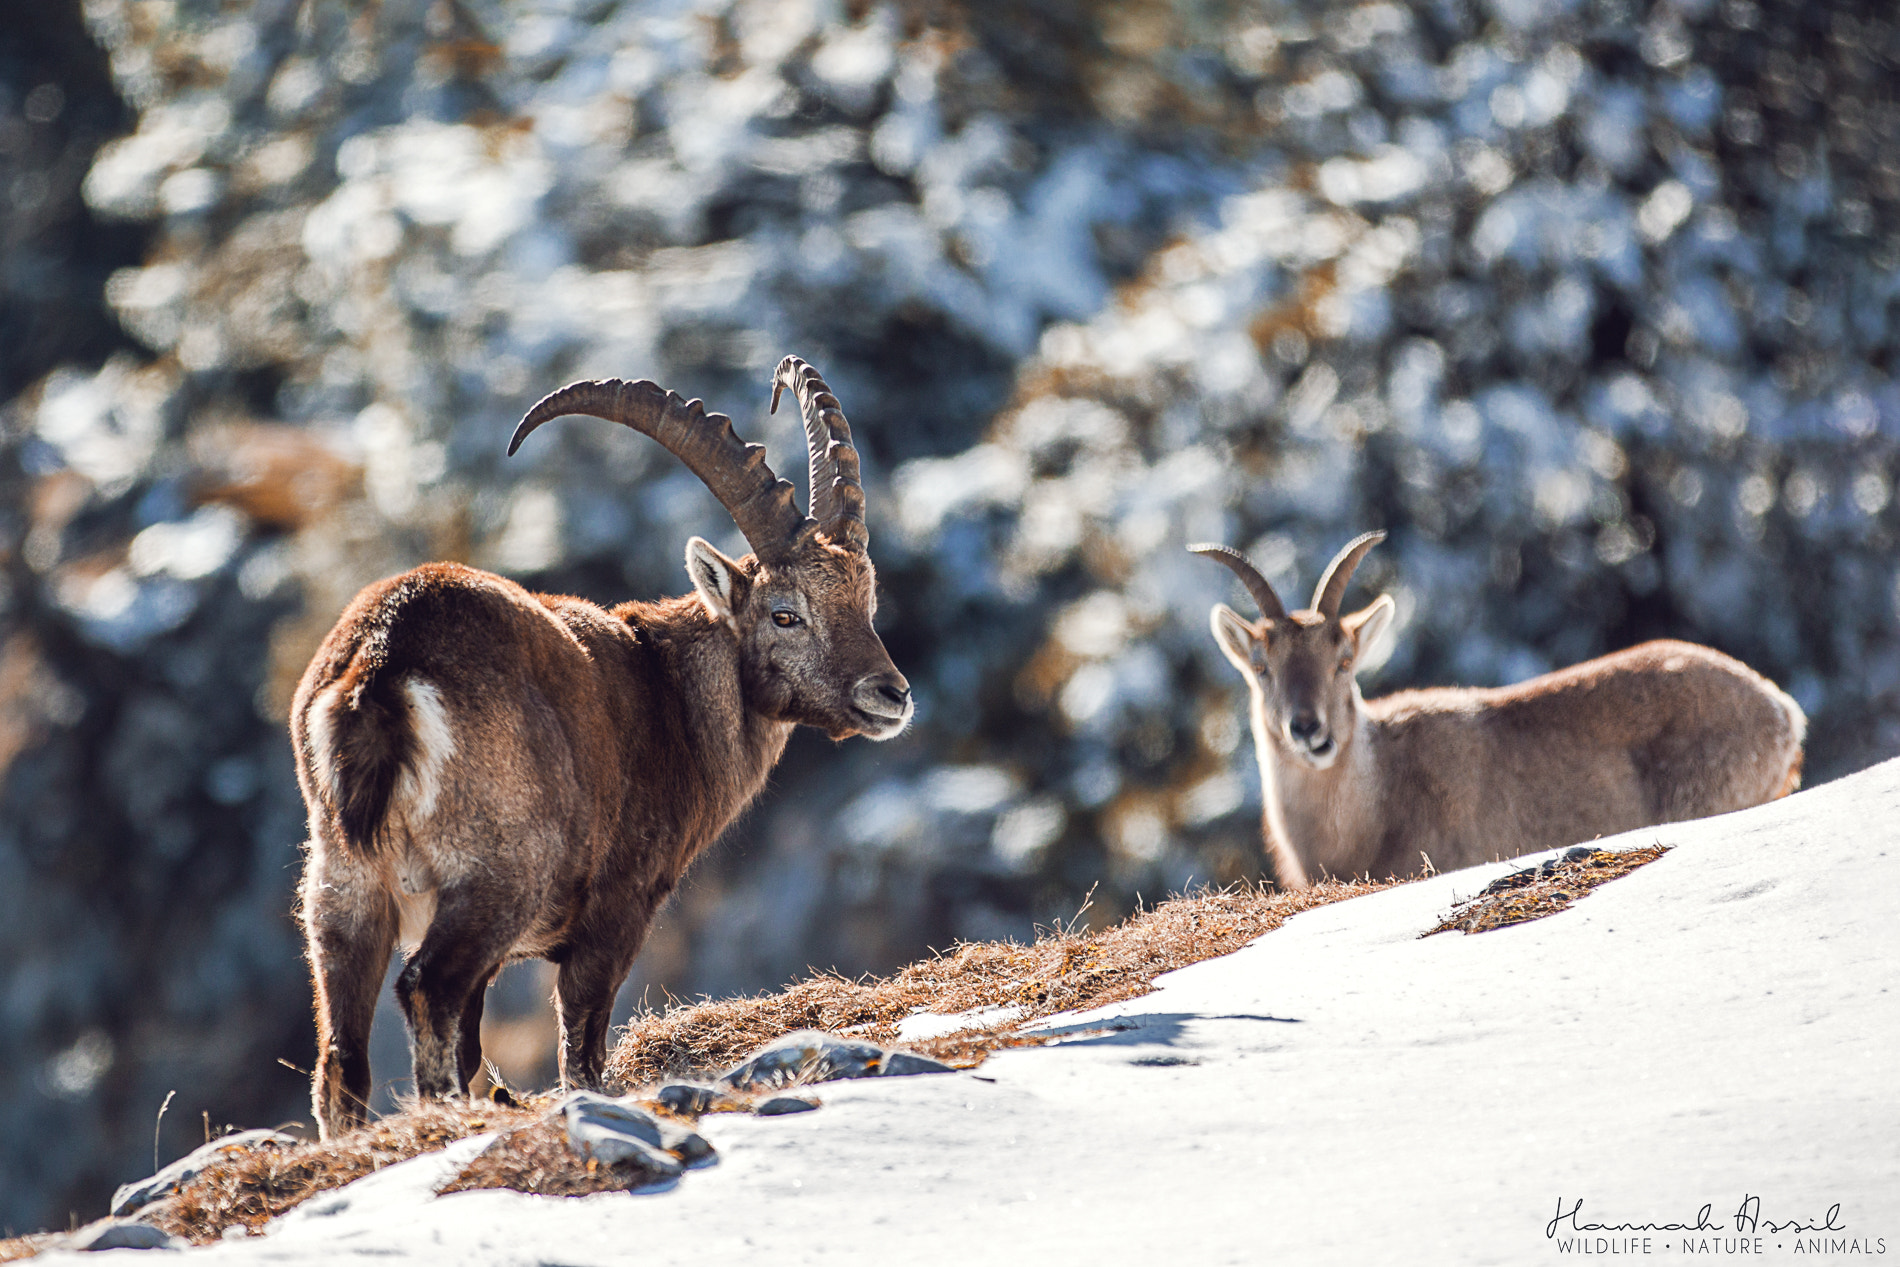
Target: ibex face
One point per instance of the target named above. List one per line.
(801, 603)
(808, 653)
(1299, 666)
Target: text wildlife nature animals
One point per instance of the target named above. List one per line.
(1661, 732)
(495, 775)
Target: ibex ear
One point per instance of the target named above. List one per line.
(1370, 628)
(1234, 636)
(717, 579)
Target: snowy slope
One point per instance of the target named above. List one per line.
(1717, 1025)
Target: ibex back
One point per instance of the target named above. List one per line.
(1450, 777)
(493, 774)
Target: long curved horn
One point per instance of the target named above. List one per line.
(1331, 590)
(760, 502)
(1263, 595)
(837, 493)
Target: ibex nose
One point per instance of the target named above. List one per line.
(1303, 727)
(884, 699)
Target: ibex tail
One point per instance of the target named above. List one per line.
(373, 740)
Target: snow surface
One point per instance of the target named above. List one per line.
(1717, 1025)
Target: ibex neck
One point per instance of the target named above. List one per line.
(1318, 822)
(731, 747)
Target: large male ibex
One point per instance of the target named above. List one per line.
(1450, 777)
(493, 774)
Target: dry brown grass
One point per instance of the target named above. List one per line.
(14, 1248)
(251, 1188)
(1063, 970)
(1535, 892)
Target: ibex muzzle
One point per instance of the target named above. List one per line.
(1450, 777)
(493, 774)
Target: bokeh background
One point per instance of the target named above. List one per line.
(1590, 303)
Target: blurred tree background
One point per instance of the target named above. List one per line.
(1590, 303)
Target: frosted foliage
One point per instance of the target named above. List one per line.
(190, 548)
(106, 426)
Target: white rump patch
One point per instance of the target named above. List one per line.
(435, 744)
(320, 729)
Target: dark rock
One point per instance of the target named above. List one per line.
(620, 1132)
(810, 1055)
(124, 1234)
(1515, 880)
(805, 1055)
(779, 1105)
(688, 1099)
(900, 1064)
(689, 1146)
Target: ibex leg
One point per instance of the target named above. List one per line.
(349, 931)
(443, 981)
(470, 1057)
(583, 1000)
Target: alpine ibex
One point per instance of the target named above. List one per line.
(493, 774)
(1449, 777)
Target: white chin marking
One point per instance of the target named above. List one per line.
(895, 726)
(1319, 760)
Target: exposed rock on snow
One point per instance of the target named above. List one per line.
(810, 1055)
(780, 1105)
(123, 1234)
(691, 1099)
(619, 1132)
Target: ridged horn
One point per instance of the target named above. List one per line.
(837, 492)
(1263, 595)
(1331, 590)
(760, 502)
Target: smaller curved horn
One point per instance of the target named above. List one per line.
(1331, 590)
(1263, 595)
(837, 491)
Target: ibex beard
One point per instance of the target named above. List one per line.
(493, 774)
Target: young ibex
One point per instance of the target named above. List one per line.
(1450, 777)
(494, 775)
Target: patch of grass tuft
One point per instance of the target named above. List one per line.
(1062, 971)
(1543, 890)
(251, 1188)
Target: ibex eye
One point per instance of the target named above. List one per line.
(1345, 666)
(784, 619)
